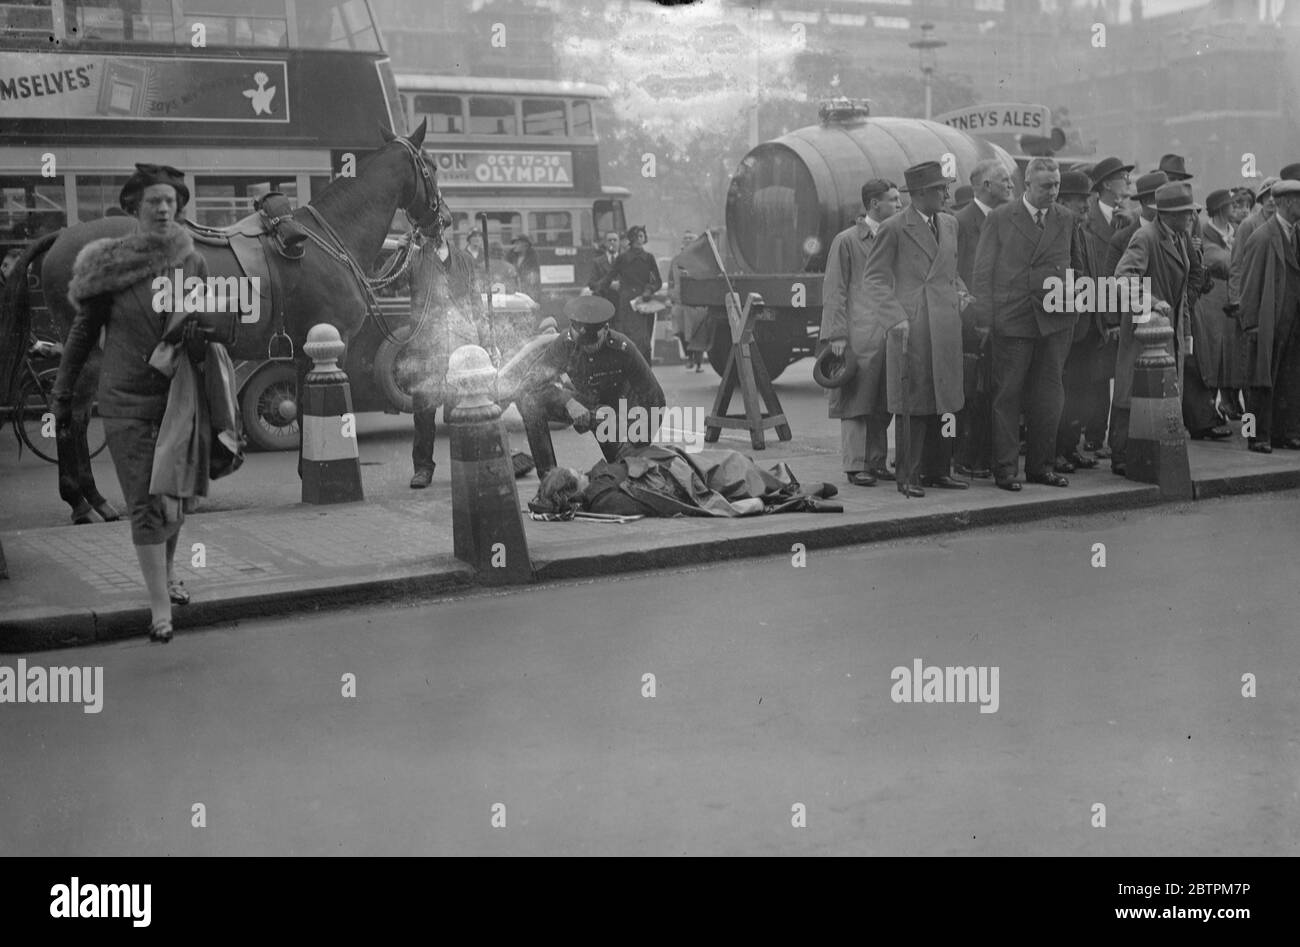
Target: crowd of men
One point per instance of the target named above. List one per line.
(943, 320)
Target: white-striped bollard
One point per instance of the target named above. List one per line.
(331, 466)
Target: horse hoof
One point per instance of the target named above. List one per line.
(83, 514)
(106, 510)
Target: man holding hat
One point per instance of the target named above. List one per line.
(1024, 247)
(1103, 220)
(1158, 250)
(604, 368)
(1270, 298)
(849, 330)
(913, 292)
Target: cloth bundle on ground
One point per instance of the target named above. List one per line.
(665, 480)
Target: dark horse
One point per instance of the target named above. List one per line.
(325, 286)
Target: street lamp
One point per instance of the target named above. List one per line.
(926, 46)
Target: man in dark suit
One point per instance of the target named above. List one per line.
(1159, 251)
(991, 183)
(600, 267)
(915, 295)
(1110, 185)
(1024, 248)
(1086, 340)
(1270, 298)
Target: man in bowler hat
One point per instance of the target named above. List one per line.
(914, 293)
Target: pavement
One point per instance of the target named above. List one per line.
(76, 585)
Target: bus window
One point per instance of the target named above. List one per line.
(30, 207)
(141, 21)
(491, 116)
(334, 24)
(551, 228)
(582, 124)
(238, 22)
(96, 193)
(586, 233)
(445, 114)
(543, 116)
(35, 16)
(609, 216)
(220, 201)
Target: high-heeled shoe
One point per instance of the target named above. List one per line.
(160, 631)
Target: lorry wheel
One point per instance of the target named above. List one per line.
(269, 405)
(774, 345)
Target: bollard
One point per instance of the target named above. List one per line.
(487, 526)
(331, 467)
(1157, 442)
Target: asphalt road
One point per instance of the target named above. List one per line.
(1118, 687)
(29, 495)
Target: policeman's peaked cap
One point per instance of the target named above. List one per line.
(589, 310)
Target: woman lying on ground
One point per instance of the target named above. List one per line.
(663, 480)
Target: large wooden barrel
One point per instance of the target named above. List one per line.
(793, 194)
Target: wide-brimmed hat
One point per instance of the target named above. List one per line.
(1175, 196)
(1290, 173)
(834, 371)
(1105, 168)
(589, 310)
(1150, 182)
(923, 176)
(1075, 183)
(147, 174)
(1265, 189)
(1175, 166)
(1283, 188)
(1217, 200)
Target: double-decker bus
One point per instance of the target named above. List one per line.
(245, 96)
(524, 153)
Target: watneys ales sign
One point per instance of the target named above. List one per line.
(1000, 118)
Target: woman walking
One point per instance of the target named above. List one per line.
(637, 273)
(112, 290)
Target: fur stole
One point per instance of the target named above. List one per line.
(113, 264)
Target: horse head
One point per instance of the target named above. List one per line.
(424, 205)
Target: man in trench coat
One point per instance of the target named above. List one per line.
(1270, 297)
(1158, 250)
(914, 294)
(846, 323)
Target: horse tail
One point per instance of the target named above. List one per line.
(16, 316)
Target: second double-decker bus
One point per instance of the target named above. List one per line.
(523, 152)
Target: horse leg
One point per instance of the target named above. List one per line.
(69, 474)
(83, 397)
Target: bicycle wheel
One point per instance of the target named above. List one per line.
(34, 421)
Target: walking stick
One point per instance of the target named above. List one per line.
(487, 275)
(903, 436)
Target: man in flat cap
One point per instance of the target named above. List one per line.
(1025, 247)
(1263, 211)
(1270, 298)
(1158, 251)
(603, 367)
(914, 293)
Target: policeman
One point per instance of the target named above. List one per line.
(603, 367)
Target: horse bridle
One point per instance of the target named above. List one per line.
(432, 204)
